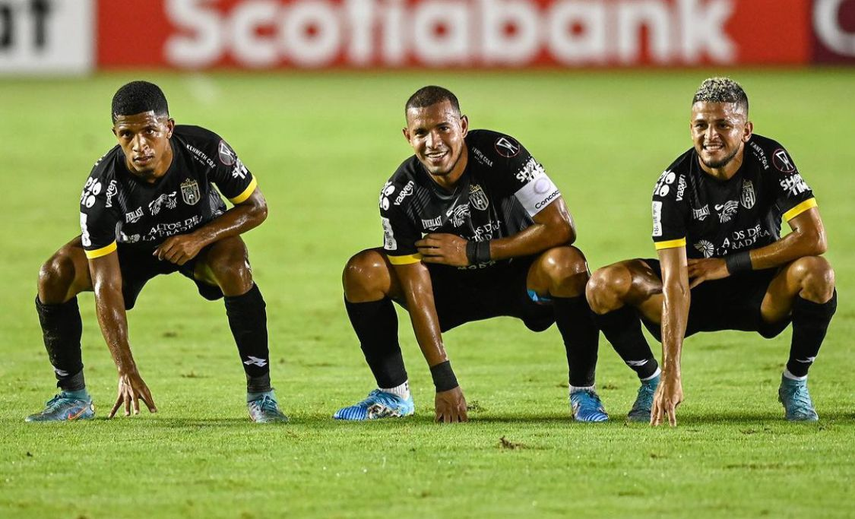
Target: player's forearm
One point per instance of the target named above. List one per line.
(532, 240)
(110, 309)
(790, 248)
(675, 314)
(426, 326)
(237, 220)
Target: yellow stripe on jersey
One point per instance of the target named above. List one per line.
(405, 260)
(799, 209)
(246, 192)
(670, 244)
(103, 251)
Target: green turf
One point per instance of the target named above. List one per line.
(322, 146)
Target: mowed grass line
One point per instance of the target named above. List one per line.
(322, 146)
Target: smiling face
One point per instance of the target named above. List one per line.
(437, 135)
(719, 132)
(144, 138)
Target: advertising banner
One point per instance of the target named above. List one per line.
(834, 31)
(47, 36)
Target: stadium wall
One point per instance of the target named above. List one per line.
(78, 36)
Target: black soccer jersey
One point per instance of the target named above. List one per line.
(500, 191)
(713, 218)
(116, 207)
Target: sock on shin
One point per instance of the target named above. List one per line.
(62, 329)
(810, 323)
(622, 327)
(376, 326)
(248, 322)
(575, 321)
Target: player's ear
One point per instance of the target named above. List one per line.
(746, 133)
(464, 125)
(170, 127)
(406, 132)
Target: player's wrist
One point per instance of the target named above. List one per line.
(478, 252)
(739, 262)
(443, 377)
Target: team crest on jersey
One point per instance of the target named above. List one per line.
(727, 210)
(782, 161)
(749, 198)
(190, 192)
(226, 153)
(478, 198)
(507, 147)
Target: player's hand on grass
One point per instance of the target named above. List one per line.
(446, 249)
(668, 396)
(450, 406)
(179, 249)
(707, 269)
(132, 389)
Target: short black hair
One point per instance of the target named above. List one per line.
(137, 97)
(721, 90)
(431, 95)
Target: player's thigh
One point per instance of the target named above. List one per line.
(790, 281)
(65, 274)
(369, 276)
(635, 282)
(225, 262)
(559, 271)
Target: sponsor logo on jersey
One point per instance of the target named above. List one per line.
(507, 147)
(164, 230)
(663, 184)
(480, 157)
(657, 218)
(459, 214)
(488, 231)
(529, 171)
(478, 198)
(748, 198)
(548, 200)
(760, 154)
(239, 170)
(124, 238)
(727, 210)
(226, 153)
(706, 248)
(112, 190)
(84, 230)
(432, 224)
(201, 157)
(190, 192)
(782, 161)
(134, 217)
(701, 214)
(387, 190)
(389, 242)
(407, 191)
(794, 185)
(681, 187)
(90, 190)
(170, 200)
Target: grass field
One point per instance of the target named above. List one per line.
(322, 146)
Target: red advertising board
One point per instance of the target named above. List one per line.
(266, 34)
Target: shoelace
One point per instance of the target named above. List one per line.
(266, 404)
(375, 397)
(800, 396)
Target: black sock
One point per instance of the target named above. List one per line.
(61, 330)
(575, 321)
(810, 322)
(376, 326)
(248, 321)
(622, 327)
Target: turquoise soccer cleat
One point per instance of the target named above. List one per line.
(643, 405)
(587, 407)
(379, 404)
(64, 408)
(796, 399)
(265, 409)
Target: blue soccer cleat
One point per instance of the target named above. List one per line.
(587, 407)
(64, 408)
(264, 408)
(796, 399)
(379, 404)
(643, 405)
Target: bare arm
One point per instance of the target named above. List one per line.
(239, 219)
(553, 226)
(110, 309)
(675, 314)
(450, 405)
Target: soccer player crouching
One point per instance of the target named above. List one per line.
(722, 263)
(474, 228)
(148, 208)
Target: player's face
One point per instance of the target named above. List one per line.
(144, 139)
(719, 131)
(437, 134)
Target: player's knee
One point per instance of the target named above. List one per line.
(816, 276)
(231, 271)
(363, 275)
(55, 278)
(607, 287)
(565, 266)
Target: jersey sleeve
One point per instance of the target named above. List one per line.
(232, 178)
(399, 231)
(98, 218)
(523, 176)
(792, 194)
(669, 218)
